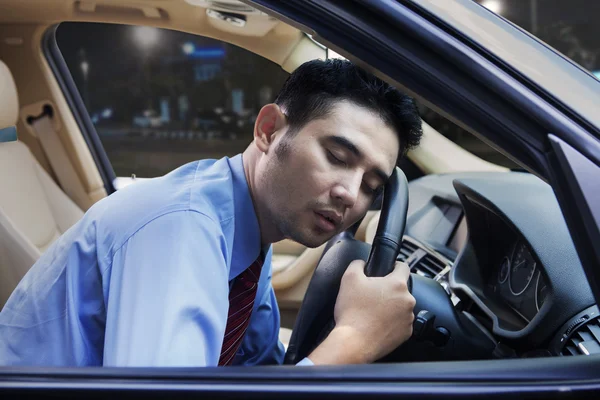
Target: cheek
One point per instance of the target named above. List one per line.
(358, 211)
(314, 175)
(363, 206)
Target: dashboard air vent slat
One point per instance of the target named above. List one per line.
(429, 266)
(570, 350)
(406, 250)
(595, 330)
(584, 340)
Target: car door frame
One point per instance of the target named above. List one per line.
(65, 81)
(362, 29)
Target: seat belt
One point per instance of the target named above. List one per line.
(57, 156)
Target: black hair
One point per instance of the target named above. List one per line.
(313, 88)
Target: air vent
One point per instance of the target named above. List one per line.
(420, 260)
(429, 266)
(406, 250)
(585, 339)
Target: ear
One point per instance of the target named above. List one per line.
(269, 122)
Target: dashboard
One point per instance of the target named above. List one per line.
(511, 263)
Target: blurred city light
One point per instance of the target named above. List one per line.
(146, 36)
(494, 6)
(85, 67)
(188, 48)
(209, 52)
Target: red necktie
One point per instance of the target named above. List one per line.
(241, 303)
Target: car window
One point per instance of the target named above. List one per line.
(567, 26)
(160, 98)
(464, 138)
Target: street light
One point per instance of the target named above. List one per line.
(146, 36)
(494, 6)
(188, 48)
(85, 68)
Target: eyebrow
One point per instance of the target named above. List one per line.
(351, 147)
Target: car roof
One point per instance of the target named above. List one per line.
(262, 34)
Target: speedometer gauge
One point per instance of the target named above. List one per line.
(522, 269)
(504, 270)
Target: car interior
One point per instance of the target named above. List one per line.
(488, 246)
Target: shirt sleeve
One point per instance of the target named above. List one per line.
(305, 362)
(168, 296)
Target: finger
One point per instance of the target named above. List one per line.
(401, 271)
(356, 266)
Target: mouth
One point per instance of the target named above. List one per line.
(328, 221)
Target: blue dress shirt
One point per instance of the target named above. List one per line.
(143, 279)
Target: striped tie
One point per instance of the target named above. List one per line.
(241, 303)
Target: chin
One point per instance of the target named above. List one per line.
(313, 244)
(310, 236)
(310, 239)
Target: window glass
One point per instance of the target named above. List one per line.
(159, 98)
(567, 26)
(465, 139)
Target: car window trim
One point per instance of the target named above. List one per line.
(520, 377)
(65, 81)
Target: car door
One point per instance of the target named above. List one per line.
(413, 44)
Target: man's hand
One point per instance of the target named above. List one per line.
(373, 316)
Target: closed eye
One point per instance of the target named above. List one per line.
(334, 159)
(373, 192)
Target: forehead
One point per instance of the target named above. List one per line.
(375, 139)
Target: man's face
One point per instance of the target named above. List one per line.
(323, 179)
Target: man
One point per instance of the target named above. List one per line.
(176, 271)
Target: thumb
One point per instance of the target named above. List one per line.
(356, 267)
(401, 271)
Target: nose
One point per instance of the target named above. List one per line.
(346, 192)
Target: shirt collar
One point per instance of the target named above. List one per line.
(246, 238)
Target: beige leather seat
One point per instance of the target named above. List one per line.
(33, 209)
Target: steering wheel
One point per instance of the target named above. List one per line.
(315, 319)
(441, 332)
